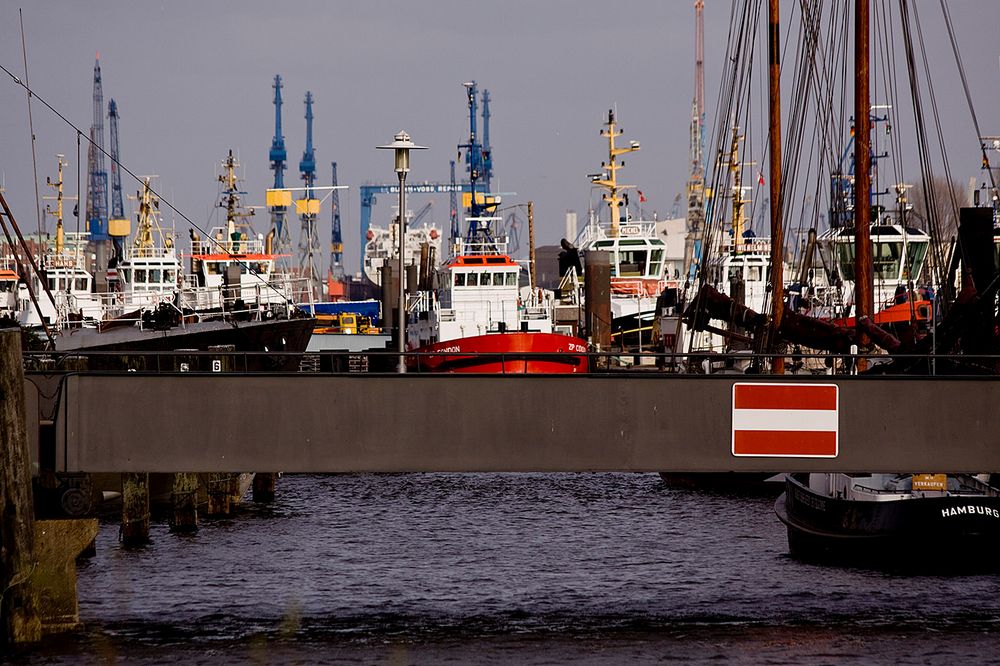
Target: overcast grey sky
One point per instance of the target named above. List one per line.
(193, 79)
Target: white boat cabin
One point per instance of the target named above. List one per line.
(478, 293)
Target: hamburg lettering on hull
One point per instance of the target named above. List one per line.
(789, 420)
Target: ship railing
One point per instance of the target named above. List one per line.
(603, 363)
(219, 244)
(498, 245)
(569, 287)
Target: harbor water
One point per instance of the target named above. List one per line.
(507, 568)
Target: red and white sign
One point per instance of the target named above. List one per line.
(792, 420)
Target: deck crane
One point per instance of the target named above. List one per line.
(97, 175)
(118, 224)
(477, 161)
(308, 207)
(335, 274)
(278, 201)
(696, 181)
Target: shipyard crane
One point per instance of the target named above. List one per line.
(97, 175)
(369, 198)
(487, 150)
(696, 181)
(335, 275)
(308, 207)
(456, 231)
(118, 224)
(278, 201)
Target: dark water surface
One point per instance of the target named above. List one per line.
(519, 568)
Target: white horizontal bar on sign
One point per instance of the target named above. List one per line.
(785, 419)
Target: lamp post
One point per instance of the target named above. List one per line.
(402, 145)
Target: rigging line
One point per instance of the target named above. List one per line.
(125, 169)
(31, 128)
(965, 87)
(922, 149)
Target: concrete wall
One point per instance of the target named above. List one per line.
(655, 422)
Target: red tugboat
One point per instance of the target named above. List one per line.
(479, 319)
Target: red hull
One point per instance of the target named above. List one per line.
(504, 353)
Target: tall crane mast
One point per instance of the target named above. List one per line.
(456, 231)
(97, 175)
(277, 157)
(308, 207)
(473, 148)
(696, 182)
(117, 207)
(118, 224)
(487, 150)
(336, 237)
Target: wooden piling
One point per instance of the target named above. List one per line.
(264, 485)
(184, 503)
(219, 497)
(19, 605)
(135, 509)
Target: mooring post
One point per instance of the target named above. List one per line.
(184, 503)
(135, 509)
(264, 484)
(19, 605)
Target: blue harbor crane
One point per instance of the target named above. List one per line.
(277, 157)
(336, 237)
(487, 150)
(456, 231)
(118, 223)
(308, 206)
(97, 175)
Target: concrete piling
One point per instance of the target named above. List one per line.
(135, 509)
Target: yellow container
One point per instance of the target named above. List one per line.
(278, 198)
(121, 226)
(307, 206)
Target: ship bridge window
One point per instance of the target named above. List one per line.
(915, 253)
(81, 284)
(736, 272)
(845, 258)
(603, 244)
(886, 259)
(459, 279)
(52, 284)
(484, 280)
(124, 273)
(498, 279)
(472, 280)
(656, 262)
(511, 279)
(755, 273)
(632, 263)
(496, 260)
(155, 275)
(140, 275)
(212, 267)
(170, 276)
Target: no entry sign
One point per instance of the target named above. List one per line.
(788, 420)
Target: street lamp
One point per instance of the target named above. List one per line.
(402, 145)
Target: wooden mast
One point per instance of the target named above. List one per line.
(777, 231)
(863, 299)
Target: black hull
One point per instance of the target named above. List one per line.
(283, 340)
(943, 534)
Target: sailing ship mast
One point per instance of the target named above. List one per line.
(863, 301)
(777, 235)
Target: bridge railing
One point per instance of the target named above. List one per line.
(597, 363)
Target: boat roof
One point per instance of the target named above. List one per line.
(480, 260)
